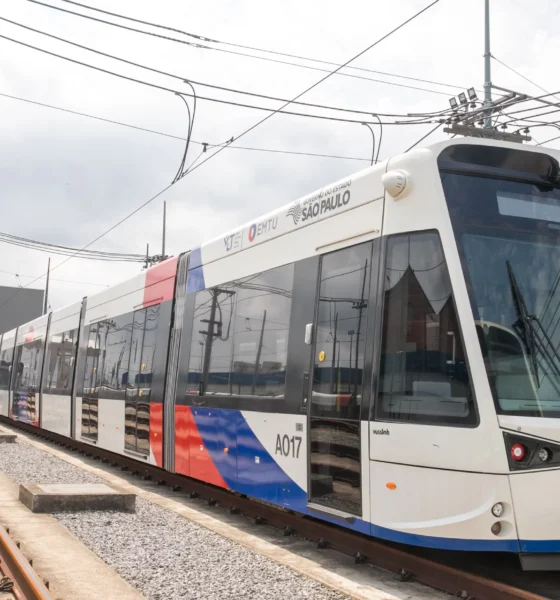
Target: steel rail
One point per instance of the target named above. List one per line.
(364, 549)
(26, 584)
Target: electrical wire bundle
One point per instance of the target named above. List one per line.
(68, 251)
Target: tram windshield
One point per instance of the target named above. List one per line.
(508, 233)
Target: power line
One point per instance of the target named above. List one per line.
(53, 279)
(234, 45)
(523, 77)
(92, 242)
(322, 79)
(176, 137)
(192, 81)
(183, 93)
(153, 198)
(65, 250)
(203, 47)
(424, 137)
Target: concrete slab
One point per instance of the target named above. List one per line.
(49, 498)
(73, 571)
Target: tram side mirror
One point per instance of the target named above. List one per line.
(309, 333)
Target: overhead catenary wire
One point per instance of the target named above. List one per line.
(206, 98)
(262, 58)
(105, 285)
(65, 250)
(523, 77)
(92, 242)
(424, 137)
(264, 50)
(191, 81)
(183, 139)
(314, 85)
(245, 132)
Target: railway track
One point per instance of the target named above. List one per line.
(18, 576)
(405, 564)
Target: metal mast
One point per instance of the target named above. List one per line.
(487, 59)
(46, 295)
(164, 226)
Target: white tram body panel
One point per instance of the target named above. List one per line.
(60, 362)
(377, 354)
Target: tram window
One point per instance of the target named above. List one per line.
(6, 364)
(210, 359)
(60, 362)
(92, 361)
(31, 358)
(240, 336)
(341, 332)
(260, 333)
(149, 349)
(115, 335)
(423, 373)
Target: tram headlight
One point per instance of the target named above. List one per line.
(544, 455)
(496, 528)
(498, 509)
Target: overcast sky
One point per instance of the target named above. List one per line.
(65, 179)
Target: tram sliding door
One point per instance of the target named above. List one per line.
(335, 477)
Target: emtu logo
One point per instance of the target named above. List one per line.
(295, 212)
(30, 335)
(252, 232)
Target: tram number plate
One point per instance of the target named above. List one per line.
(288, 446)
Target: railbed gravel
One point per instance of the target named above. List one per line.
(162, 554)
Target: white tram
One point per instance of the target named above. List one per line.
(382, 354)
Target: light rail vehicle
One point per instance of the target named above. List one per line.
(382, 354)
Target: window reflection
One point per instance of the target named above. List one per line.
(240, 336)
(340, 332)
(423, 374)
(60, 362)
(6, 364)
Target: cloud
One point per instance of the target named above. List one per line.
(66, 179)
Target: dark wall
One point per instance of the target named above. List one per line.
(25, 306)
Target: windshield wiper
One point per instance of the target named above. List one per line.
(528, 328)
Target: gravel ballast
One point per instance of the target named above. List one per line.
(162, 554)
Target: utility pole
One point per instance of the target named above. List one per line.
(163, 235)
(258, 358)
(487, 60)
(46, 303)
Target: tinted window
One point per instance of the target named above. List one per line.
(115, 336)
(423, 372)
(91, 371)
(60, 362)
(92, 375)
(29, 359)
(240, 336)
(149, 349)
(260, 333)
(135, 363)
(341, 332)
(6, 363)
